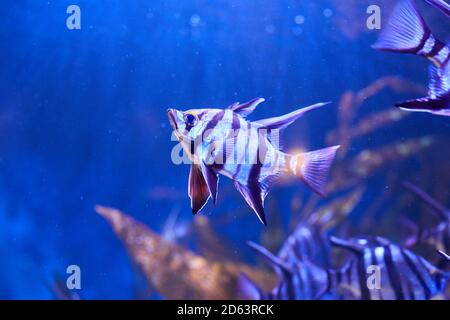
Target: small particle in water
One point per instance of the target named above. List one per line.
(195, 20)
(270, 28)
(297, 31)
(327, 12)
(299, 19)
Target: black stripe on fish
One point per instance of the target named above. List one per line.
(374, 261)
(393, 275)
(412, 265)
(213, 123)
(362, 279)
(246, 156)
(438, 46)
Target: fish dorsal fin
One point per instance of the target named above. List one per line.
(441, 5)
(442, 212)
(270, 258)
(246, 108)
(212, 180)
(254, 198)
(197, 189)
(247, 289)
(445, 256)
(348, 245)
(284, 121)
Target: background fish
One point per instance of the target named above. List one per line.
(223, 142)
(302, 280)
(403, 274)
(407, 32)
(441, 5)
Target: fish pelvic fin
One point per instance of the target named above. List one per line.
(406, 31)
(197, 189)
(313, 167)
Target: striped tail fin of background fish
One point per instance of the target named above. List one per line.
(407, 32)
(403, 274)
(437, 236)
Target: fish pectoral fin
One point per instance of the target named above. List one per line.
(197, 189)
(246, 108)
(212, 180)
(284, 121)
(254, 196)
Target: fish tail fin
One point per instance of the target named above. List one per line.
(405, 31)
(313, 167)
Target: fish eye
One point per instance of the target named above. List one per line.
(190, 119)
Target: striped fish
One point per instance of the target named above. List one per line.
(403, 274)
(310, 237)
(441, 5)
(437, 236)
(302, 280)
(407, 32)
(223, 142)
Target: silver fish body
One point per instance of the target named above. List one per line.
(224, 142)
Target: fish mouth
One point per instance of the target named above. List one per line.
(172, 120)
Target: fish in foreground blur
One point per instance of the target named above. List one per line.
(441, 5)
(403, 275)
(407, 32)
(175, 272)
(224, 142)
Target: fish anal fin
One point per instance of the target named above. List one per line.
(254, 197)
(211, 179)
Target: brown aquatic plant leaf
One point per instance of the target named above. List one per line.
(175, 272)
